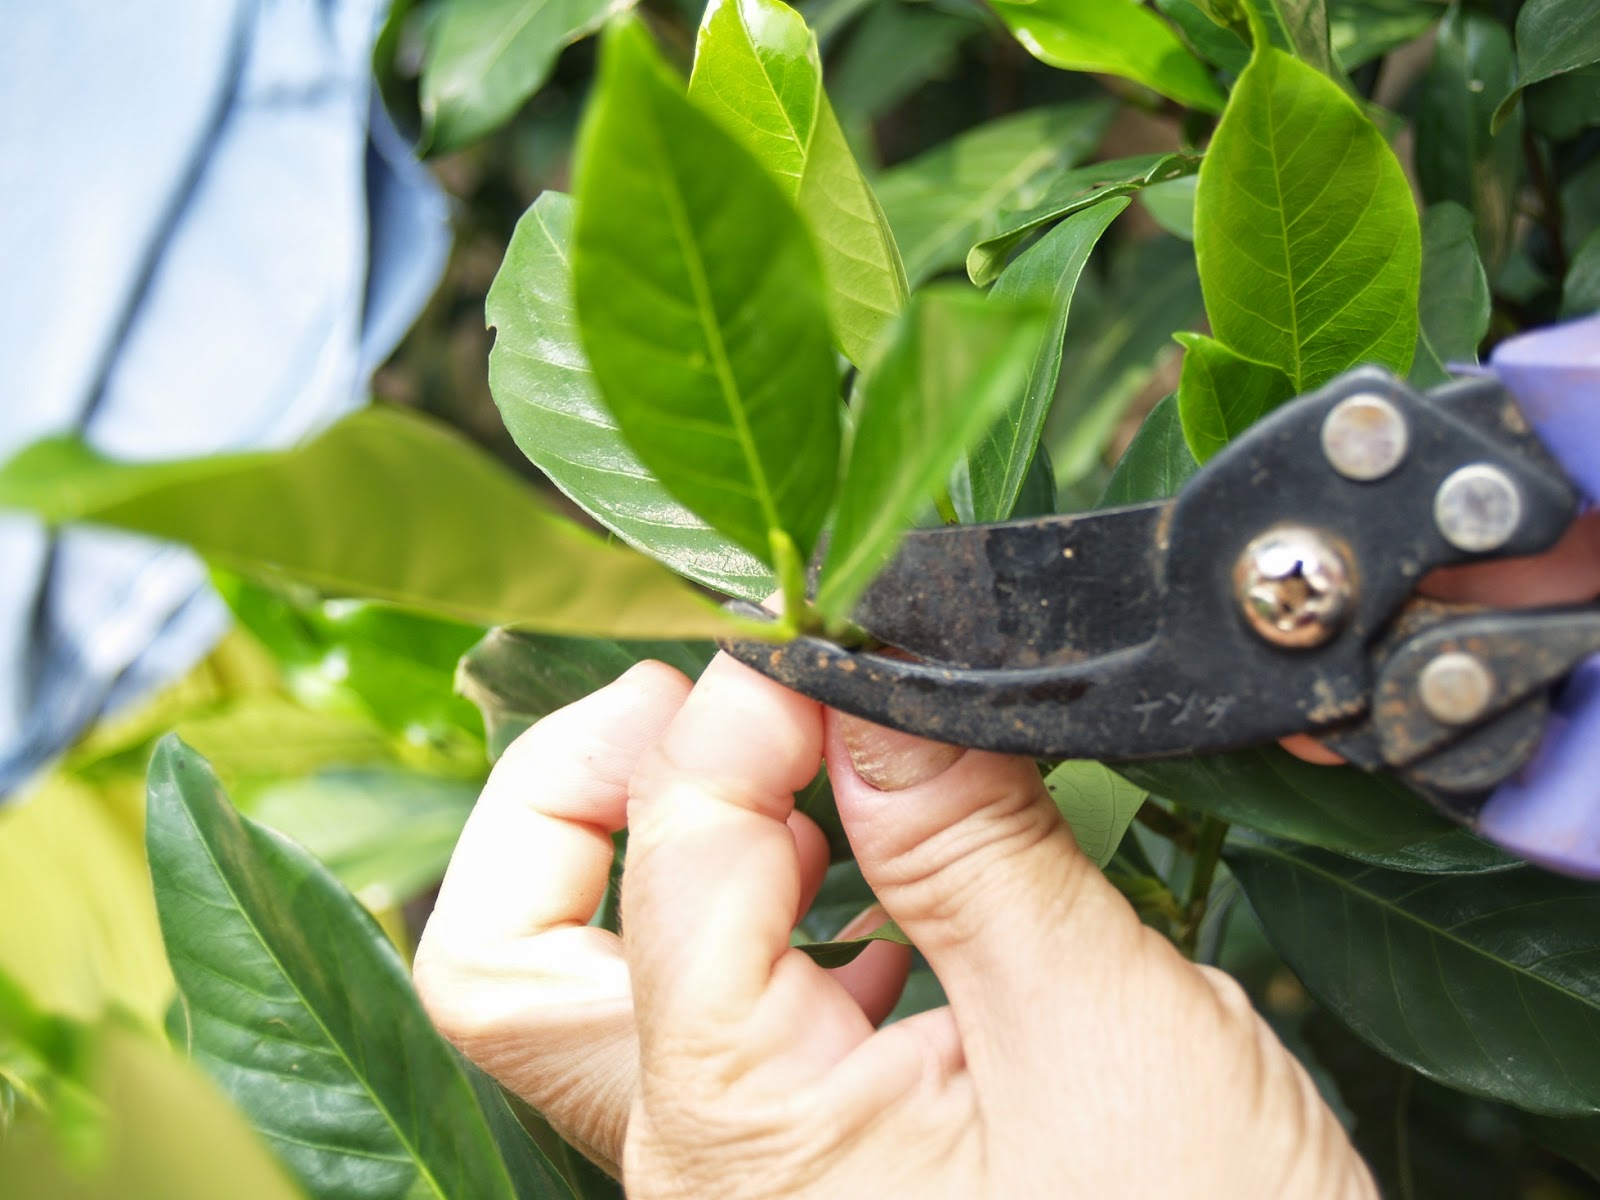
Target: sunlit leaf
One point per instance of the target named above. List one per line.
(1305, 232)
(551, 405)
(299, 1007)
(758, 71)
(1046, 273)
(1482, 982)
(485, 57)
(1221, 393)
(953, 364)
(700, 303)
(1114, 37)
(384, 505)
(943, 202)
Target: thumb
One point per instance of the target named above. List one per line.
(970, 857)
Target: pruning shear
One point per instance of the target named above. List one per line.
(1275, 595)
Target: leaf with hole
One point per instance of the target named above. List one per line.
(701, 306)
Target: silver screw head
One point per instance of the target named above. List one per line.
(1293, 586)
(1456, 688)
(1477, 508)
(1365, 437)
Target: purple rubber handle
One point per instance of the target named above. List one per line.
(1550, 812)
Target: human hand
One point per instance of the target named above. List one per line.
(1080, 1054)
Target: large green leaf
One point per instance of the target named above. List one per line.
(1458, 158)
(384, 505)
(1553, 37)
(1453, 305)
(485, 57)
(1580, 293)
(1113, 37)
(1222, 393)
(1305, 231)
(1157, 462)
(757, 70)
(551, 405)
(1489, 983)
(384, 834)
(1047, 273)
(955, 361)
(298, 1005)
(943, 202)
(516, 678)
(700, 303)
(1098, 804)
(1067, 194)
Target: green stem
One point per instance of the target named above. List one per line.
(1163, 824)
(1207, 854)
(947, 509)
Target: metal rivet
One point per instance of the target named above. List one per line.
(1477, 508)
(1455, 688)
(1293, 586)
(1365, 437)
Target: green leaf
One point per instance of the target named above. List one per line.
(1119, 338)
(700, 303)
(1553, 37)
(384, 834)
(1305, 232)
(516, 679)
(1361, 32)
(485, 57)
(838, 954)
(1371, 817)
(551, 405)
(955, 361)
(1046, 274)
(757, 70)
(1453, 312)
(1221, 394)
(1458, 157)
(1580, 294)
(843, 896)
(943, 202)
(1113, 37)
(301, 1009)
(1484, 983)
(1563, 107)
(1157, 462)
(1097, 802)
(896, 49)
(384, 505)
(1306, 24)
(1067, 194)
(1215, 42)
(1171, 205)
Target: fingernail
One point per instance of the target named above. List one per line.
(892, 761)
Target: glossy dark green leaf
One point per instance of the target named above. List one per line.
(1362, 31)
(895, 50)
(485, 57)
(945, 201)
(1046, 274)
(1069, 193)
(384, 505)
(758, 71)
(838, 953)
(1119, 337)
(1221, 394)
(1098, 803)
(1563, 107)
(1453, 305)
(1458, 158)
(1580, 294)
(1371, 817)
(1487, 983)
(843, 896)
(1305, 231)
(954, 362)
(551, 405)
(517, 678)
(300, 1008)
(385, 834)
(1112, 37)
(1215, 42)
(700, 303)
(1553, 37)
(1157, 462)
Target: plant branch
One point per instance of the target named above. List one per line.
(1207, 854)
(1551, 216)
(1163, 824)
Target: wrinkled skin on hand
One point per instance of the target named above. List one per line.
(1080, 1054)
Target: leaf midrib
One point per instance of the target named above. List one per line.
(238, 907)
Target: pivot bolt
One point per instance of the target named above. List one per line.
(1293, 586)
(1456, 688)
(1477, 508)
(1365, 437)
